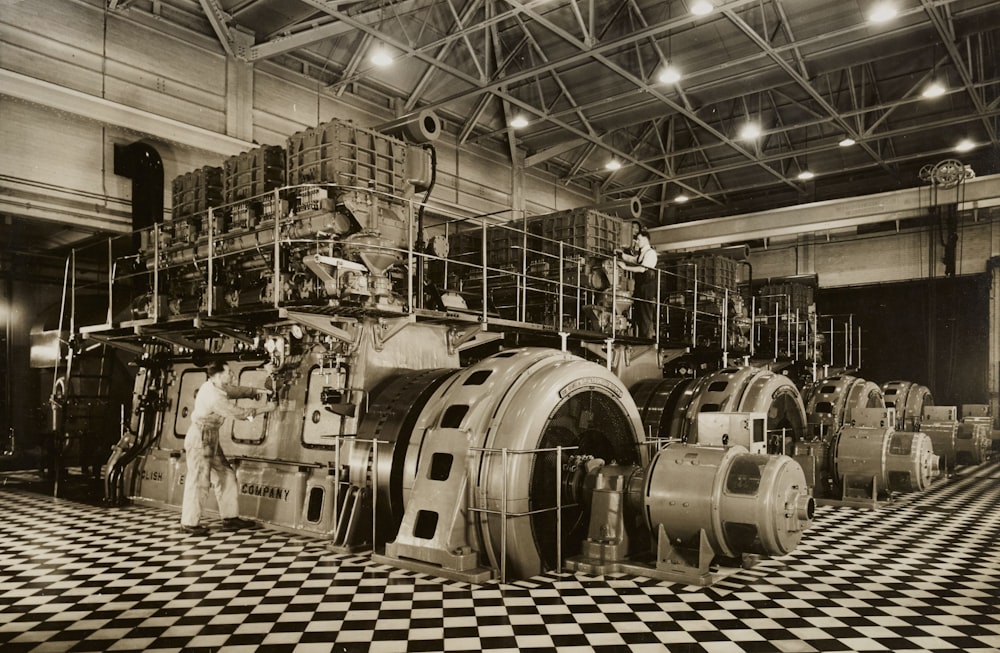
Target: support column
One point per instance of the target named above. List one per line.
(239, 93)
(805, 254)
(993, 364)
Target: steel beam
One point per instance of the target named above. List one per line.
(947, 33)
(819, 217)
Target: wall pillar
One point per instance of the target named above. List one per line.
(993, 363)
(239, 99)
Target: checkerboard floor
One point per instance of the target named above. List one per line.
(922, 574)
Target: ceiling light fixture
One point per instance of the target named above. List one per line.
(965, 145)
(680, 199)
(380, 57)
(805, 175)
(847, 142)
(750, 131)
(613, 164)
(933, 90)
(882, 12)
(669, 75)
(701, 8)
(519, 121)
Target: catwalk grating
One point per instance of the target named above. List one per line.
(920, 575)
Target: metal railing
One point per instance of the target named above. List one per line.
(504, 514)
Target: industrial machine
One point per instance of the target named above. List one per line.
(959, 442)
(975, 435)
(431, 425)
(940, 423)
(908, 399)
(854, 454)
(871, 460)
(671, 408)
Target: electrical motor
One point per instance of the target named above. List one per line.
(744, 503)
(874, 456)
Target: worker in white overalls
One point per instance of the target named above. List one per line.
(213, 403)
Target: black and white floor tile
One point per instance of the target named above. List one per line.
(922, 574)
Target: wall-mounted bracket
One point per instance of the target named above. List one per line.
(386, 328)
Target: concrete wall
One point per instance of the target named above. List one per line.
(850, 259)
(164, 72)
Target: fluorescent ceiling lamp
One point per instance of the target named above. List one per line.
(965, 145)
(882, 12)
(805, 175)
(517, 122)
(701, 7)
(381, 57)
(750, 131)
(613, 164)
(847, 142)
(669, 75)
(680, 199)
(934, 89)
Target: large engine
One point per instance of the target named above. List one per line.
(239, 237)
(504, 468)
(440, 436)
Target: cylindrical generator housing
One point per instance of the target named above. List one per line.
(730, 390)
(943, 436)
(882, 460)
(744, 503)
(972, 443)
(911, 464)
(830, 403)
(909, 400)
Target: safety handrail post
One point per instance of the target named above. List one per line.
(211, 259)
(614, 301)
(503, 517)
(659, 285)
(336, 481)
(482, 260)
(694, 314)
(156, 273)
(375, 443)
(409, 265)
(558, 463)
(559, 317)
(277, 249)
(110, 283)
(725, 328)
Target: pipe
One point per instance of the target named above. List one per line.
(421, 127)
(631, 205)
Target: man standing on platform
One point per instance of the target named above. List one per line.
(642, 264)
